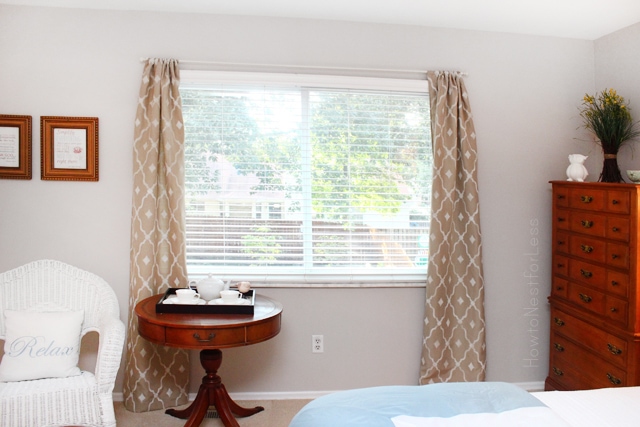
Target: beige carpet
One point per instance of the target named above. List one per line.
(277, 413)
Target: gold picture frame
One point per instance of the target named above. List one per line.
(15, 147)
(69, 148)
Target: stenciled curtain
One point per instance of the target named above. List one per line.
(156, 377)
(453, 347)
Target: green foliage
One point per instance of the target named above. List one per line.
(329, 250)
(607, 115)
(362, 154)
(364, 151)
(261, 246)
(217, 125)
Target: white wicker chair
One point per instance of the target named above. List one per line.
(83, 400)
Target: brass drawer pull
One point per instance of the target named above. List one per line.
(586, 223)
(614, 256)
(586, 249)
(615, 202)
(561, 197)
(586, 199)
(586, 273)
(557, 371)
(558, 347)
(613, 310)
(613, 349)
(558, 321)
(210, 338)
(585, 298)
(613, 380)
(614, 283)
(615, 229)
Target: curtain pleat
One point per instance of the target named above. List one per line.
(156, 377)
(453, 347)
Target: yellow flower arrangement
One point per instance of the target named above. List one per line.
(607, 115)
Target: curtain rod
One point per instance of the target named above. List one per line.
(227, 65)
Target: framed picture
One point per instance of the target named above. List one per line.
(69, 148)
(15, 147)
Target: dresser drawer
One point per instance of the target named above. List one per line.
(561, 243)
(618, 228)
(593, 249)
(573, 361)
(565, 374)
(197, 337)
(588, 223)
(610, 347)
(588, 248)
(617, 310)
(560, 287)
(618, 202)
(587, 198)
(587, 298)
(610, 280)
(618, 283)
(561, 219)
(614, 201)
(598, 303)
(560, 265)
(591, 274)
(561, 196)
(617, 255)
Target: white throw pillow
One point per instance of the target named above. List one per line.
(41, 345)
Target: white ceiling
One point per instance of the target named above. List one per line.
(583, 19)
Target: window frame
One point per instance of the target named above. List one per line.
(278, 279)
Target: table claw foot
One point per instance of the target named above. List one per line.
(180, 413)
(235, 408)
(194, 412)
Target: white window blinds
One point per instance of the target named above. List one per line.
(294, 183)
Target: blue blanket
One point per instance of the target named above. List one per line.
(375, 406)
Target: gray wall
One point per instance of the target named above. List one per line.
(524, 92)
(617, 61)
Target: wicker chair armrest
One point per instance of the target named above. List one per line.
(112, 334)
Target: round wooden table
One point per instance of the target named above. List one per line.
(209, 333)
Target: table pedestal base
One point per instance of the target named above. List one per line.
(212, 392)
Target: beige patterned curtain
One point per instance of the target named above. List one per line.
(454, 327)
(156, 377)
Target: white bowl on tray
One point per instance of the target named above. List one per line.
(634, 176)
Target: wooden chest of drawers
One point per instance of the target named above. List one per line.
(595, 318)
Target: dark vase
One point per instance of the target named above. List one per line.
(610, 169)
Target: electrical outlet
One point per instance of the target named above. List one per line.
(317, 344)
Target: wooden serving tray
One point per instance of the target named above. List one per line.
(247, 308)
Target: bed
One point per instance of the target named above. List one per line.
(482, 404)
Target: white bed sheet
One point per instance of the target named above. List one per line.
(521, 417)
(607, 407)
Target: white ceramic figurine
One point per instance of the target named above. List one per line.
(576, 170)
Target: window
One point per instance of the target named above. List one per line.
(296, 182)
